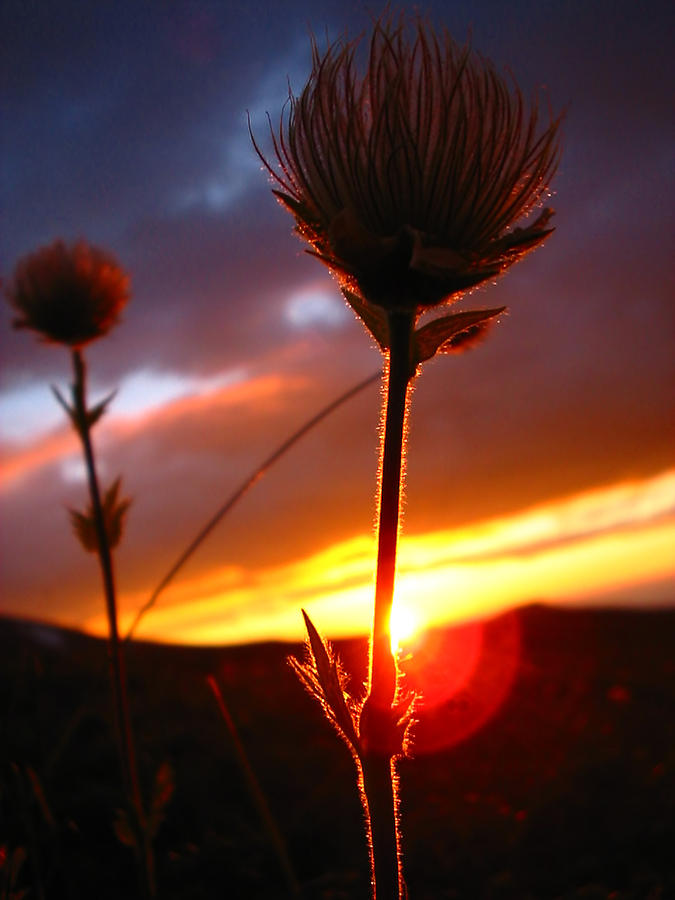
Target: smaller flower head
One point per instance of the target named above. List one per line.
(68, 295)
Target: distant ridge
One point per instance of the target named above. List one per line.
(559, 784)
(51, 634)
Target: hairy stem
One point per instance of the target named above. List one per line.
(379, 787)
(382, 683)
(378, 719)
(125, 740)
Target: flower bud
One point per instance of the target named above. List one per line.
(68, 295)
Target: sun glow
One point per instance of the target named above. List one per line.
(404, 624)
(611, 545)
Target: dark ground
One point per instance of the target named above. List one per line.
(565, 790)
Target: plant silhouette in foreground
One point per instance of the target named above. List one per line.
(72, 296)
(407, 182)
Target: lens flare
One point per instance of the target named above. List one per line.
(404, 624)
(462, 676)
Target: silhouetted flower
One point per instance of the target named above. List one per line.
(68, 295)
(407, 182)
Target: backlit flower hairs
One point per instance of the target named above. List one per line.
(407, 181)
(68, 295)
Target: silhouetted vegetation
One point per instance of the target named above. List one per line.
(566, 792)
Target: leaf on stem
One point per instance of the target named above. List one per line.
(95, 413)
(92, 415)
(324, 678)
(114, 515)
(70, 411)
(373, 317)
(449, 334)
(163, 792)
(123, 830)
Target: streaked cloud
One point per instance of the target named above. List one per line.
(143, 397)
(595, 512)
(588, 548)
(29, 412)
(129, 128)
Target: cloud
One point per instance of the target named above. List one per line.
(179, 461)
(236, 168)
(601, 511)
(128, 127)
(316, 305)
(588, 548)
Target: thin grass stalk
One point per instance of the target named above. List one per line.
(256, 792)
(243, 489)
(123, 729)
(378, 719)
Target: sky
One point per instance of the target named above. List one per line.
(540, 465)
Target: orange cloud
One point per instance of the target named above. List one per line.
(21, 461)
(593, 547)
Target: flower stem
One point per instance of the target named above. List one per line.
(379, 788)
(124, 733)
(379, 736)
(382, 683)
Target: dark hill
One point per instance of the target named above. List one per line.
(545, 765)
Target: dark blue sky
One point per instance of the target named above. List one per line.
(125, 123)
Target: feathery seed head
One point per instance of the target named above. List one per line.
(68, 295)
(407, 181)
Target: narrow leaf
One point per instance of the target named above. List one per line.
(319, 652)
(325, 680)
(114, 513)
(296, 208)
(374, 318)
(95, 413)
(123, 830)
(85, 531)
(163, 792)
(450, 333)
(70, 412)
(114, 516)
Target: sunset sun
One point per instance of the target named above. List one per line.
(404, 624)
